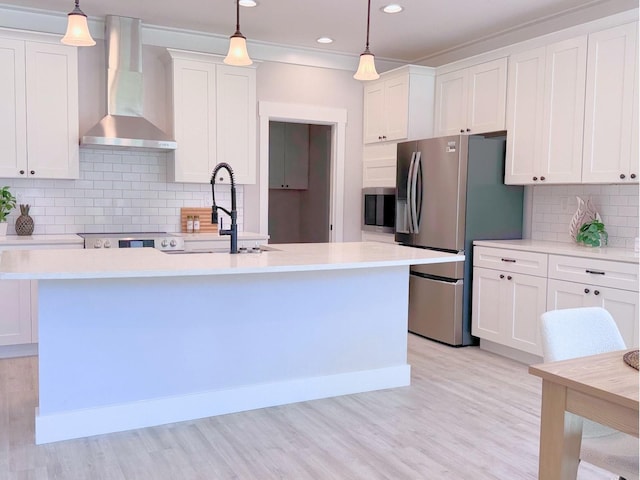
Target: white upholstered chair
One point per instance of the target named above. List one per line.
(579, 332)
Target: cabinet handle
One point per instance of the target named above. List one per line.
(594, 272)
(535, 179)
(586, 290)
(596, 292)
(542, 178)
(508, 260)
(633, 175)
(21, 172)
(501, 276)
(622, 176)
(509, 277)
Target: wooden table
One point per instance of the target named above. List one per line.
(602, 388)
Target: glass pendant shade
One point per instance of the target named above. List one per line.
(238, 54)
(77, 29)
(366, 68)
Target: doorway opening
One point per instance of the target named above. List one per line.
(336, 120)
(299, 182)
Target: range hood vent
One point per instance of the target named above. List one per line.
(124, 125)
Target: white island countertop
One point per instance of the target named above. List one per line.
(32, 241)
(148, 262)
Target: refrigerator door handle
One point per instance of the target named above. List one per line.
(410, 192)
(416, 204)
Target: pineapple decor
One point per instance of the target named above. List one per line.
(24, 223)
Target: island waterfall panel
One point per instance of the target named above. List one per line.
(124, 353)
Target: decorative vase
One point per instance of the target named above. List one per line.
(24, 223)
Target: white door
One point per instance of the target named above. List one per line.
(487, 97)
(488, 305)
(526, 301)
(451, 103)
(374, 122)
(396, 104)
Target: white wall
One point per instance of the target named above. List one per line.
(554, 206)
(285, 83)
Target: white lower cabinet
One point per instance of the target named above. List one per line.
(507, 303)
(512, 288)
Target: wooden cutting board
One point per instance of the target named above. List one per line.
(205, 219)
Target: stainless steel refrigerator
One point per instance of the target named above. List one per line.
(450, 191)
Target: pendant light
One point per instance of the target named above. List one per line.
(77, 29)
(367, 67)
(238, 54)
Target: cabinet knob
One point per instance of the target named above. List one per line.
(622, 176)
(501, 276)
(596, 292)
(535, 179)
(21, 172)
(282, 186)
(379, 137)
(468, 129)
(384, 137)
(33, 172)
(633, 175)
(586, 290)
(542, 178)
(287, 186)
(461, 130)
(509, 277)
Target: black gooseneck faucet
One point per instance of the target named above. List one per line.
(233, 231)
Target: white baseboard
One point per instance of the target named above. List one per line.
(512, 353)
(147, 413)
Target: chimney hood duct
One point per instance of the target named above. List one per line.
(124, 124)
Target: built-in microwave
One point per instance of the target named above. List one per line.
(379, 209)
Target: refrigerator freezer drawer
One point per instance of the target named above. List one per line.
(435, 309)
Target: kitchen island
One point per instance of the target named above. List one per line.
(131, 338)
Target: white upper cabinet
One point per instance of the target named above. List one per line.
(39, 117)
(611, 110)
(472, 100)
(398, 106)
(214, 118)
(545, 111)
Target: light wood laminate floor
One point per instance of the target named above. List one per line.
(468, 414)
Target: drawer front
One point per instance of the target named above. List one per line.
(515, 261)
(594, 272)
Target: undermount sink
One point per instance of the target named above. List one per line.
(241, 250)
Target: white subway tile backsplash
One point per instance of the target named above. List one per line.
(553, 207)
(118, 191)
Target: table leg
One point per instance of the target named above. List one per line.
(560, 435)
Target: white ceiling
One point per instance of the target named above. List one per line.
(425, 29)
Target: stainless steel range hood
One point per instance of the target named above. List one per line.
(124, 125)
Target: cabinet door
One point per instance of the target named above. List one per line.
(13, 118)
(296, 156)
(525, 300)
(487, 97)
(15, 319)
(621, 304)
(379, 165)
(396, 104)
(276, 154)
(194, 113)
(609, 110)
(52, 110)
(374, 123)
(525, 101)
(236, 121)
(451, 103)
(488, 305)
(561, 160)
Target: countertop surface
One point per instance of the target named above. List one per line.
(35, 240)
(560, 248)
(149, 262)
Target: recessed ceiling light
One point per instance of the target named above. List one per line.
(248, 3)
(392, 8)
(324, 40)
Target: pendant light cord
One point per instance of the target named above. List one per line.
(368, 21)
(238, 16)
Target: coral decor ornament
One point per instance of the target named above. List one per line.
(585, 213)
